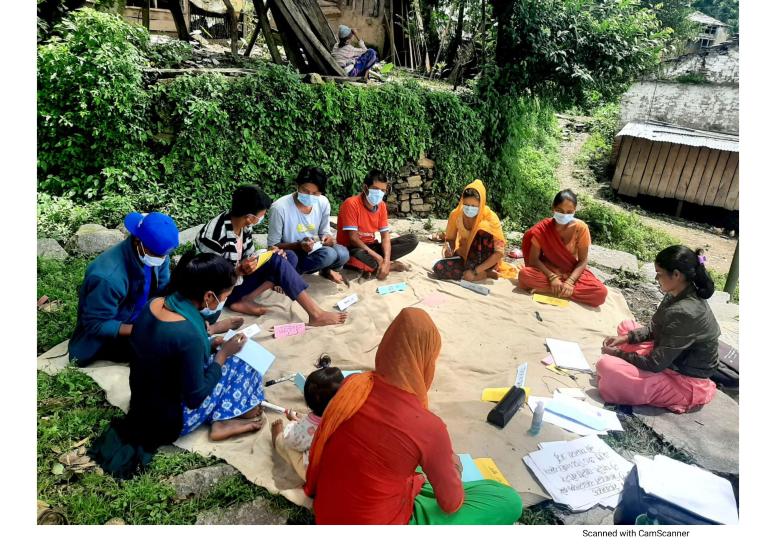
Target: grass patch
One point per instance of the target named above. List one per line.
(59, 280)
(540, 514)
(637, 438)
(71, 407)
(719, 284)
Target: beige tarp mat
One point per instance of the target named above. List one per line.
(484, 339)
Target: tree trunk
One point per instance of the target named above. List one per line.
(261, 12)
(234, 36)
(452, 50)
(180, 21)
(421, 36)
(502, 13)
(146, 10)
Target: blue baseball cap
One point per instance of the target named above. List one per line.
(157, 231)
(344, 31)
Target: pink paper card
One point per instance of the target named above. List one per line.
(433, 299)
(548, 360)
(288, 330)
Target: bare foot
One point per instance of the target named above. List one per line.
(492, 274)
(248, 307)
(334, 276)
(276, 429)
(222, 326)
(252, 414)
(222, 430)
(397, 266)
(328, 318)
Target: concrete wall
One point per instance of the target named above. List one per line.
(718, 65)
(706, 107)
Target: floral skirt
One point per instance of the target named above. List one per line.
(239, 390)
(481, 249)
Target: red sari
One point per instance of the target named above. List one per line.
(587, 290)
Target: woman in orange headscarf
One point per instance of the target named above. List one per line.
(474, 241)
(378, 430)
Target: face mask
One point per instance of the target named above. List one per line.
(375, 196)
(207, 312)
(470, 211)
(563, 218)
(306, 200)
(149, 260)
(257, 223)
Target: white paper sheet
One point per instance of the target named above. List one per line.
(563, 422)
(580, 473)
(568, 355)
(582, 412)
(690, 487)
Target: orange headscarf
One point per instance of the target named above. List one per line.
(406, 359)
(486, 220)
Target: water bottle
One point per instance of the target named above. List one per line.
(538, 417)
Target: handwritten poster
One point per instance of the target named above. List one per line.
(580, 473)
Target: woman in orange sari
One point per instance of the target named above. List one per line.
(474, 241)
(377, 431)
(556, 251)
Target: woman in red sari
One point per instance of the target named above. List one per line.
(377, 431)
(556, 251)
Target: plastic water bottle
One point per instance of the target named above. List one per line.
(538, 418)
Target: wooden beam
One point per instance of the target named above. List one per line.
(669, 190)
(673, 154)
(697, 173)
(146, 11)
(637, 150)
(727, 180)
(716, 178)
(662, 156)
(318, 23)
(703, 186)
(684, 179)
(731, 202)
(180, 21)
(641, 166)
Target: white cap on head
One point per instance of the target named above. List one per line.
(344, 31)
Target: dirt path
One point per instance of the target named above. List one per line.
(719, 249)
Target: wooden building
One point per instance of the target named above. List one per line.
(209, 16)
(683, 164)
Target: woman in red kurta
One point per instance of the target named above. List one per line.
(556, 251)
(377, 430)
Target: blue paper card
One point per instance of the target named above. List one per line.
(582, 416)
(348, 373)
(299, 381)
(393, 288)
(256, 356)
(470, 470)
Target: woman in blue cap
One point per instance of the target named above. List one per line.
(356, 61)
(117, 285)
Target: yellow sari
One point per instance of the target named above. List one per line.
(486, 221)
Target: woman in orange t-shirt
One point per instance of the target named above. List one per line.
(556, 251)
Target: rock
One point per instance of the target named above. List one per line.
(404, 196)
(414, 181)
(600, 274)
(514, 235)
(709, 435)
(648, 271)
(196, 35)
(170, 450)
(416, 202)
(189, 235)
(426, 163)
(48, 248)
(422, 208)
(720, 297)
(724, 312)
(392, 198)
(597, 515)
(406, 171)
(613, 259)
(121, 228)
(405, 207)
(416, 195)
(651, 290)
(115, 521)
(315, 78)
(257, 512)
(92, 239)
(197, 482)
(260, 241)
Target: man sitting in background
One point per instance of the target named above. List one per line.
(356, 61)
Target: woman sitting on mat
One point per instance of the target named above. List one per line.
(668, 363)
(377, 430)
(474, 241)
(556, 251)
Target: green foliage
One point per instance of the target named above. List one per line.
(169, 54)
(59, 217)
(565, 48)
(91, 104)
(724, 10)
(692, 78)
(597, 150)
(623, 231)
(719, 284)
(60, 281)
(673, 16)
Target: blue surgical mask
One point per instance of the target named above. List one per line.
(563, 218)
(470, 211)
(148, 260)
(207, 312)
(307, 200)
(375, 196)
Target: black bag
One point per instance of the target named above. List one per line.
(727, 372)
(507, 407)
(636, 502)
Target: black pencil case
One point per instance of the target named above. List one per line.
(507, 407)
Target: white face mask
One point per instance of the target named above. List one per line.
(207, 312)
(375, 196)
(471, 211)
(257, 223)
(306, 200)
(563, 218)
(148, 260)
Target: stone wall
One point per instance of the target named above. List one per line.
(699, 106)
(411, 191)
(719, 65)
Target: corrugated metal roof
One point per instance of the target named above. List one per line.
(704, 19)
(679, 135)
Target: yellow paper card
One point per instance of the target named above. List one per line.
(490, 470)
(495, 394)
(555, 369)
(547, 299)
(263, 258)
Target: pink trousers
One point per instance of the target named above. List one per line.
(622, 383)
